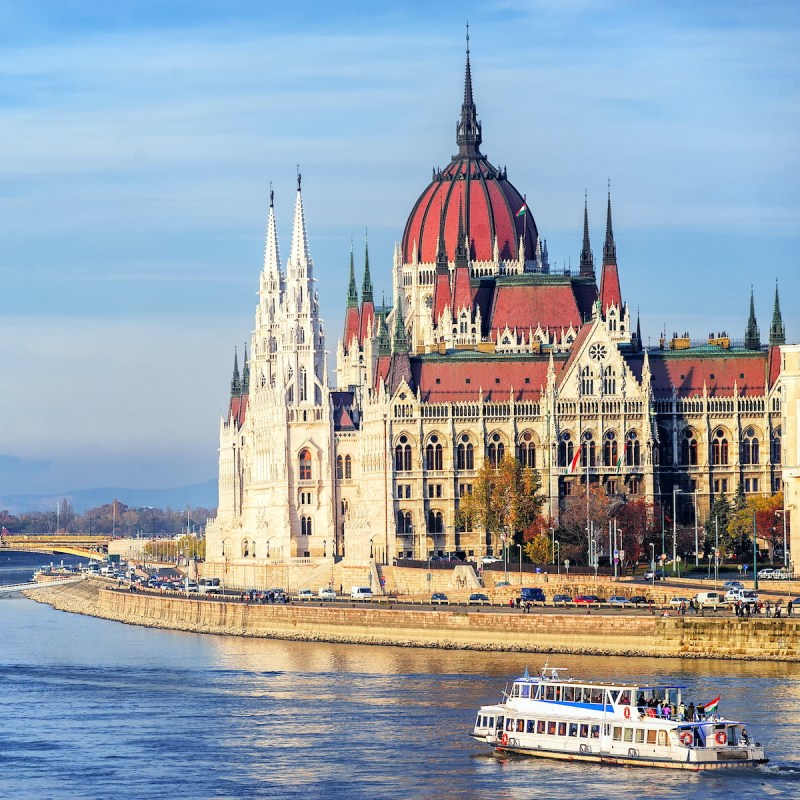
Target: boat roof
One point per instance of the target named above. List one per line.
(558, 679)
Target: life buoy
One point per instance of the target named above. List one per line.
(504, 738)
(686, 738)
(721, 737)
(627, 712)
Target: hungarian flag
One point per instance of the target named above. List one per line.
(711, 708)
(619, 460)
(574, 465)
(522, 209)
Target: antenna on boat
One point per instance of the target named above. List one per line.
(526, 675)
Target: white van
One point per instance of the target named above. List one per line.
(709, 600)
(209, 586)
(361, 593)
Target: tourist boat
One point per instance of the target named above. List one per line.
(554, 716)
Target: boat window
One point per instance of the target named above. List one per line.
(627, 734)
(606, 730)
(597, 696)
(551, 728)
(595, 731)
(540, 726)
(662, 737)
(538, 693)
(562, 728)
(584, 731)
(614, 694)
(531, 726)
(491, 722)
(558, 693)
(549, 692)
(625, 697)
(651, 736)
(586, 695)
(639, 734)
(509, 724)
(569, 694)
(515, 690)
(618, 733)
(478, 722)
(526, 690)
(520, 725)
(573, 729)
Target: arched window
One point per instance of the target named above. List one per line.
(339, 468)
(402, 455)
(348, 467)
(301, 336)
(345, 507)
(689, 448)
(435, 522)
(305, 465)
(750, 447)
(404, 522)
(273, 344)
(496, 450)
(775, 447)
(465, 454)
(566, 450)
(665, 447)
(633, 450)
(609, 381)
(463, 324)
(526, 450)
(610, 449)
(303, 385)
(433, 454)
(587, 381)
(719, 448)
(588, 450)
(305, 526)
(290, 391)
(245, 548)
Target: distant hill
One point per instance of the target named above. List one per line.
(197, 494)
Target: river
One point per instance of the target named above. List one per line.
(96, 709)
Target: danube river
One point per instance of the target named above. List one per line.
(96, 709)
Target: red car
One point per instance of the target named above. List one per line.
(587, 599)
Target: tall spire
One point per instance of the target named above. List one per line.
(752, 336)
(609, 248)
(587, 257)
(366, 289)
(468, 129)
(236, 383)
(777, 333)
(299, 252)
(352, 291)
(462, 255)
(245, 372)
(272, 258)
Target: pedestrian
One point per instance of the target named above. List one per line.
(789, 609)
(690, 712)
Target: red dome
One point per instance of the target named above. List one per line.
(489, 203)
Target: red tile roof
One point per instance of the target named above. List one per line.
(238, 409)
(352, 325)
(462, 293)
(526, 305)
(367, 319)
(610, 292)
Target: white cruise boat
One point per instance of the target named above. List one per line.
(553, 716)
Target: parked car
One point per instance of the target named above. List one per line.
(732, 585)
(766, 574)
(561, 599)
(305, 594)
(677, 602)
(746, 596)
(439, 598)
(478, 599)
(795, 601)
(326, 593)
(639, 600)
(587, 599)
(709, 599)
(489, 560)
(532, 594)
(503, 583)
(655, 575)
(618, 600)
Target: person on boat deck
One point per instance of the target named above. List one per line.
(640, 699)
(666, 711)
(681, 710)
(701, 712)
(690, 712)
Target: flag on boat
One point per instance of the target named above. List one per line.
(711, 708)
(522, 209)
(574, 465)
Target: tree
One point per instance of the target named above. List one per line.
(716, 526)
(636, 521)
(577, 510)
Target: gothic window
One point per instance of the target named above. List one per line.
(290, 393)
(305, 465)
(750, 447)
(463, 324)
(689, 448)
(566, 450)
(435, 522)
(610, 449)
(404, 522)
(402, 455)
(428, 301)
(587, 382)
(339, 468)
(434, 454)
(273, 344)
(719, 448)
(664, 447)
(526, 450)
(301, 336)
(348, 468)
(345, 508)
(496, 450)
(633, 450)
(775, 447)
(305, 526)
(272, 381)
(245, 548)
(609, 381)
(465, 454)
(588, 450)
(303, 385)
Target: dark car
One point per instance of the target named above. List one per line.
(478, 599)
(532, 595)
(639, 599)
(561, 598)
(655, 575)
(439, 598)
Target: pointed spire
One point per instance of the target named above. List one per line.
(545, 257)
(587, 257)
(462, 255)
(399, 339)
(366, 289)
(609, 248)
(272, 257)
(752, 336)
(468, 129)
(236, 383)
(638, 331)
(777, 333)
(245, 372)
(299, 252)
(352, 291)
(441, 252)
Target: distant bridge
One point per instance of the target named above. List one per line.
(74, 545)
(18, 587)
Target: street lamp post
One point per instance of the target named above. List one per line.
(558, 560)
(675, 492)
(519, 547)
(755, 554)
(553, 543)
(782, 512)
(696, 537)
(653, 563)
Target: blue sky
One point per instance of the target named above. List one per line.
(138, 141)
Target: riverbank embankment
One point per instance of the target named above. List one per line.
(578, 632)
